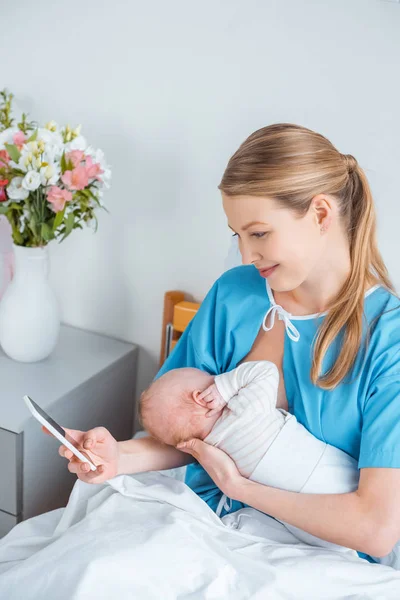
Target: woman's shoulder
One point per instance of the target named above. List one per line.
(239, 293)
(382, 310)
(243, 279)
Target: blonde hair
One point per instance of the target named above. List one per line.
(292, 164)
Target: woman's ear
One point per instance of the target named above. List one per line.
(322, 211)
(199, 401)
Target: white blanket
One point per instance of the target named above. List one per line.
(150, 537)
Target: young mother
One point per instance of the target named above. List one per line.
(315, 298)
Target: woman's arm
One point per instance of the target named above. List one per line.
(367, 520)
(148, 454)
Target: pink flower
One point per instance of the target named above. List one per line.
(76, 179)
(19, 139)
(3, 196)
(93, 170)
(4, 158)
(58, 197)
(75, 156)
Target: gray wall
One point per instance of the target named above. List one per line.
(169, 90)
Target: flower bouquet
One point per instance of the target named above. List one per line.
(51, 182)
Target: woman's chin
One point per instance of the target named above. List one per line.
(282, 284)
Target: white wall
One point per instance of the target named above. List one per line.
(169, 90)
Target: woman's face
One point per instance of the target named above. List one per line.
(285, 248)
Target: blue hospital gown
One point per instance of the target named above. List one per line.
(361, 416)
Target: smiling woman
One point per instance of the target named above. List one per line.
(284, 189)
(304, 218)
(305, 223)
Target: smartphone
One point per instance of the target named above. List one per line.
(57, 431)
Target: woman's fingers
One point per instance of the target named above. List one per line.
(76, 466)
(65, 452)
(192, 447)
(82, 470)
(95, 436)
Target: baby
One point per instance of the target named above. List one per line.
(189, 403)
(236, 412)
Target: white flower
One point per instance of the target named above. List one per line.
(78, 143)
(50, 174)
(31, 181)
(31, 147)
(54, 145)
(15, 190)
(106, 176)
(27, 160)
(6, 136)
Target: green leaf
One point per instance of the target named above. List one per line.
(32, 226)
(33, 137)
(18, 239)
(16, 206)
(69, 225)
(3, 210)
(13, 152)
(59, 219)
(47, 232)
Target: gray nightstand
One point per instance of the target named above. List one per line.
(88, 381)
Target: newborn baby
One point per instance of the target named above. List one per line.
(236, 412)
(188, 403)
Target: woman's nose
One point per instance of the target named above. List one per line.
(249, 256)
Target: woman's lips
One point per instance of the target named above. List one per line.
(268, 272)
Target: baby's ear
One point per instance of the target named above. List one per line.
(199, 401)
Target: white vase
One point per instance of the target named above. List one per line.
(29, 311)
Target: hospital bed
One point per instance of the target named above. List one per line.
(148, 536)
(177, 315)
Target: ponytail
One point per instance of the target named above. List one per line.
(346, 314)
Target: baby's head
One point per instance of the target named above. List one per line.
(169, 409)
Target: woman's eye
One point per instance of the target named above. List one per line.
(234, 234)
(259, 234)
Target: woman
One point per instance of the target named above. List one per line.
(305, 222)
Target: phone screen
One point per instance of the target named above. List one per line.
(56, 426)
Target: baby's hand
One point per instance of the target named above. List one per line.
(215, 402)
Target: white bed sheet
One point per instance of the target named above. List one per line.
(151, 537)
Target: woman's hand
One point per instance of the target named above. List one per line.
(214, 400)
(102, 449)
(220, 467)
